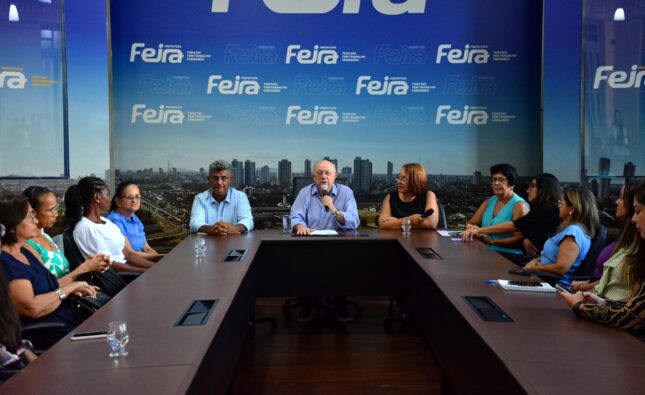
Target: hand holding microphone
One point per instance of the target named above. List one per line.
(325, 193)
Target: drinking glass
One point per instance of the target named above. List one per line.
(117, 338)
(286, 224)
(199, 245)
(406, 225)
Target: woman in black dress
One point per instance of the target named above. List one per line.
(410, 200)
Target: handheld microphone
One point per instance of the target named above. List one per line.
(325, 192)
(428, 213)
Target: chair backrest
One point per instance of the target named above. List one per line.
(443, 222)
(109, 282)
(597, 244)
(72, 252)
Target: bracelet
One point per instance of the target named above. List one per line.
(61, 294)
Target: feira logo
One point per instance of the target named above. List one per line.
(236, 87)
(315, 117)
(150, 115)
(477, 55)
(387, 7)
(160, 54)
(306, 56)
(387, 87)
(12, 79)
(465, 117)
(619, 79)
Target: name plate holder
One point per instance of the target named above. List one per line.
(197, 313)
(235, 256)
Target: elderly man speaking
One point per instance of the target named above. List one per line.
(324, 205)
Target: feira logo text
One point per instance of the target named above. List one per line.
(457, 56)
(161, 54)
(307, 117)
(12, 79)
(619, 79)
(307, 56)
(161, 116)
(386, 87)
(458, 117)
(238, 86)
(386, 7)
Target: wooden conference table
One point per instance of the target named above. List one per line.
(546, 349)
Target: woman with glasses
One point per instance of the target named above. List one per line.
(563, 253)
(611, 276)
(125, 203)
(410, 200)
(85, 203)
(45, 204)
(630, 314)
(544, 192)
(15, 353)
(35, 293)
(505, 205)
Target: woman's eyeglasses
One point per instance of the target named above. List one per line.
(131, 198)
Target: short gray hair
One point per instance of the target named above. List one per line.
(219, 165)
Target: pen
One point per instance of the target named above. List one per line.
(491, 281)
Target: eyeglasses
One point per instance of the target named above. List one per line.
(219, 178)
(498, 180)
(31, 216)
(325, 172)
(131, 198)
(402, 178)
(50, 211)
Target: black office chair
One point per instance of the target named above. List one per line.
(37, 333)
(110, 282)
(320, 305)
(586, 269)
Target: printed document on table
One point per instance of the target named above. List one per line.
(323, 232)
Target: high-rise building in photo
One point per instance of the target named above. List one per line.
(249, 173)
(237, 171)
(346, 173)
(390, 169)
(265, 175)
(366, 176)
(307, 168)
(477, 177)
(356, 179)
(284, 172)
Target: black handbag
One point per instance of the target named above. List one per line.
(109, 282)
(85, 306)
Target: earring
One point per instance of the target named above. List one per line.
(570, 213)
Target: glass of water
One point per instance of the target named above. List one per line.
(406, 225)
(117, 338)
(199, 245)
(286, 224)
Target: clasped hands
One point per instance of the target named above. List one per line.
(98, 262)
(415, 220)
(587, 297)
(222, 228)
(471, 232)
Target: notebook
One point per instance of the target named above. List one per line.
(525, 286)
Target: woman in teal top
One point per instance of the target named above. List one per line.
(45, 204)
(505, 205)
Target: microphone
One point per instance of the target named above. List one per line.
(325, 192)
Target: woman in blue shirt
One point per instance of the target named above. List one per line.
(563, 253)
(127, 201)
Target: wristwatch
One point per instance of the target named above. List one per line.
(337, 213)
(60, 293)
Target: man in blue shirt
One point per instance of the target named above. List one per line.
(324, 205)
(221, 210)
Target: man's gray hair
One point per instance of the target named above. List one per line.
(219, 165)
